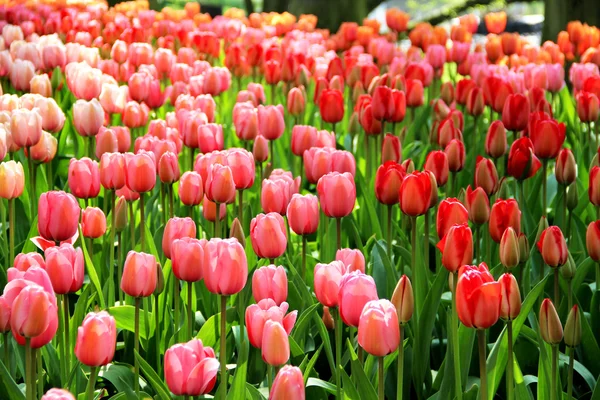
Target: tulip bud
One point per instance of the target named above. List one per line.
(93, 223)
(475, 102)
(260, 149)
(160, 280)
(391, 149)
(455, 151)
(509, 248)
(327, 318)
(569, 269)
(523, 248)
(478, 205)
(403, 300)
(121, 214)
(503, 189)
(510, 303)
(462, 197)
(495, 140)
(573, 328)
(447, 92)
(553, 247)
(572, 196)
(566, 167)
(550, 326)
(237, 231)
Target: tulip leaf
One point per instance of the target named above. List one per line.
(365, 387)
(329, 387)
(326, 341)
(496, 361)
(125, 318)
(238, 387)
(157, 384)
(8, 384)
(120, 375)
(91, 270)
(349, 389)
(253, 393)
(365, 193)
(384, 274)
(209, 333)
(311, 363)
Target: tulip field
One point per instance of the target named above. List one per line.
(250, 207)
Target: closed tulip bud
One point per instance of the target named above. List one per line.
(296, 102)
(523, 248)
(447, 92)
(478, 297)
(568, 270)
(191, 190)
(592, 240)
(331, 105)
(225, 266)
(515, 113)
(288, 384)
(12, 179)
(187, 256)
(237, 232)
(391, 149)
(475, 102)
(495, 140)
(271, 123)
(270, 282)
(58, 215)
(356, 289)
(190, 368)
(353, 259)
(168, 168)
(456, 247)
(414, 93)
(140, 171)
(478, 205)
(139, 274)
(93, 223)
(573, 328)
(455, 152)
(450, 212)
(504, 214)
(565, 169)
(268, 235)
(403, 300)
(65, 267)
(25, 127)
(327, 279)
(550, 325)
(337, 194)
(437, 163)
(378, 328)
(112, 171)
(58, 394)
(572, 196)
(303, 214)
(96, 339)
(121, 214)
(41, 85)
(275, 344)
(415, 194)
(509, 248)
(588, 106)
(241, 163)
(553, 247)
(510, 304)
(260, 149)
(486, 175)
(84, 178)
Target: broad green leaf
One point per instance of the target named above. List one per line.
(125, 318)
(9, 387)
(157, 384)
(365, 386)
(91, 271)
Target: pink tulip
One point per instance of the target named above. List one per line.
(93, 223)
(270, 282)
(25, 127)
(288, 384)
(191, 189)
(356, 289)
(266, 309)
(241, 163)
(140, 170)
(88, 117)
(276, 346)
(187, 256)
(303, 214)
(190, 368)
(225, 267)
(337, 194)
(268, 235)
(24, 261)
(378, 329)
(65, 267)
(84, 178)
(177, 228)
(58, 394)
(139, 274)
(271, 124)
(96, 339)
(353, 259)
(112, 170)
(219, 186)
(58, 216)
(327, 281)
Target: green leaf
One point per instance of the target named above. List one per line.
(91, 271)
(9, 386)
(209, 333)
(125, 318)
(329, 387)
(311, 363)
(365, 387)
(120, 375)
(325, 338)
(253, 392)
(238, 387)
(384, 274)
(157, 384)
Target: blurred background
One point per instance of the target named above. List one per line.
(541, 20)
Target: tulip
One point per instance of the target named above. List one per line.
(93, 223)
(391, 149)
(450, 212)
(58, 394)
(331, 106)
(209, 210)
(588, 107)
(268, 235)
(456, 247)
(65, 267)
(355, 290)
(32, 312)
(403, 300)
(414, 93)
(486, 175)
(288, 384)
(592, 240)
(478, 297)
(327, 279)
(210, 137)
(139, 274)
(140, 171)
(594, 186)
(96, 339)
(258, 314)
(45, 150)
(388, 180)
(437, 163)
(547, 137)
(271, 123)
(510, 303)
(112, 98)
(295, 102)
(177, 228)
(24, 261)
(522, 162)
(478, 205)
(112, 171)
(225, 268)
(84, 178)
(553, 247)
(58, 216)
(337, 194)
(504, 214)
(270, 282)
(187, 256)
(191, 189)
(21, 73)
(303, 214)
(190, 368)
(565, 169)
(573, 331)
(378, 328)
(475, 103)
(25, 127)
(455, 153)
(219, 186)
(241, 163)
(415, 194)
(382, 103)
(509, 248)
(515, 113)
(260, 149)
(495, 140)
(550, 326)
(88, 117)
(12, 180)
(275, 344)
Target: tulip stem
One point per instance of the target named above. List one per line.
(157, 331)
(190, 291)
(381, 379)
(455, 348)
(269, 376)
(120, 247)
(163, 202)
(544, 187)
(40, 377)
(476, 247)
(556, 291)
(338, 228)
(272, 152)
(241, 207)
(400, 385)
(89, 392)
(28, 369)
(49, 177)
(192, 158)
(176, 306)
(426, 235)
(338, 352)
(222, 349)
(32, 196)
(570, 378)
(131, 226)
(482, 366)
(136, 343)
(413, 263)
(389, 231)
(66, 331)
(217, 220)
(11, 230)
(142, 224)
(6, 351)
(303, 258)
(570, 293)
(170, 194)
(554, 370)
(111, 250)
(509, 365)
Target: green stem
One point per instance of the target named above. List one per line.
(564, 210)
(338, 229)
(32, 196)
(381, 379)
(400, 385)
(222, 349)
(389, 231)
(556, 291)
(131, 226)
(413, 263)
(303, 258)
(136, 342)
(570, 378)
(218, 220)
(66, 332)
(28, 368)
(597, 277)
(11, 230)
(554, 370)
(7, 350)
(40, 377)
(241, 207)
(272, 152)
(477, 247)
(192, 158)
(163, 202)
(33, 373)
(157, 332)
(111, 252)
(426, 235)
(269, 376)
(509, 366)
(338, 352)
(89, 392)
(570, 293)
(171, 201)
(455, 348)
(482, 366)
(190, 291)
(142, 223)
(544, 187)
(120, 249)
(176, 306)
(241, 306)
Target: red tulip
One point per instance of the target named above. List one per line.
(478, 205)
(414, 93)
(565, 169)
(495, 140)
(391, 149)
(96, 339)
(478, 297)
(388, 181)
(553, 247)
(382, 103)
(455, 152)
(378, 328)
(450, 212)
(437, 163)
(547, 138)
(463, 87)
(588, 107)
(515, 113)
(504, 214)
(592, 240)
(594, 186)
(456, 247)
(415, 194)
(331, 105)
(522, 162)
